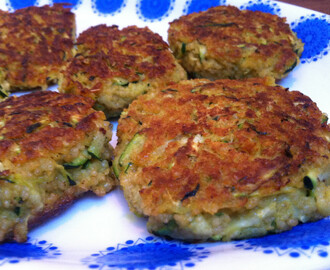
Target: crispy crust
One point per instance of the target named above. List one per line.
(225, 42)
(43, 123)
(105, 54)
(35, 42)
(226, 144)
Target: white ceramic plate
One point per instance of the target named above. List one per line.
(101, 233)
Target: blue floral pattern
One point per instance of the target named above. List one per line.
(303, 240)
(314, 31)
(14, 253)
(108, 7)
(154, 10)
(264, 6)
(17, 4)
(148, 253)
(197, 5)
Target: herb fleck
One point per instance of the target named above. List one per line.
(190, 193)
(33, 127)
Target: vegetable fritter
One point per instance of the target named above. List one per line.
(53, 148)
(225, 159)
(35, 42)
(225, 42)
(115, 66)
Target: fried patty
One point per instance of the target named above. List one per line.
(35, 42)
(115, 66)
(53, 148)
(225, 159)
(226, 43)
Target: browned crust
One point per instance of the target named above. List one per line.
(258, 138)
(35, 42)
(105, 52)
(233, 35)
(42, 123)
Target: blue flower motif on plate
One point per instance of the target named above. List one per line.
(72, 3)
(303, 240)
(197, 5)
(148, 253)
(264, 6)
(14, 253)
(314, 31)
(17, 4)
(154, 10)
(108, 7)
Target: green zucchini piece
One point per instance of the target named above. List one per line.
(17, 210)
(190, 193)
(121, 82)
(7, 180)
(137, 140)
(77, 162)
(324, 119)
(141, 75)
(202, 53)
(115, 169)
(167, 229)
(85, 165)
(291, 67)
(183, 48)
(128, 166)
(217, 237)
(32, 127)
(196, 89)
(95, 149)
(310, 184)
(240, 125)
(169, 90)
(3, 94)
(99, 107)
(219, 214)
(71, 181)
(124, 160)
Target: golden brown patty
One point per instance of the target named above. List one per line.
(34, 45)
(115, 66)
(225, 42)
(53, 148)
(224, 160)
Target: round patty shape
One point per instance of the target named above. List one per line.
(115, 66)
(53, 148)
(226, 43)
(35, 43)
(224, 160)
